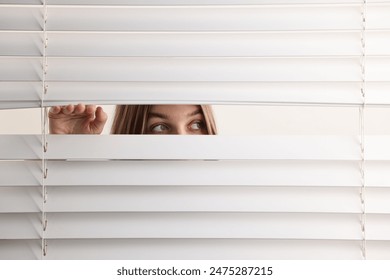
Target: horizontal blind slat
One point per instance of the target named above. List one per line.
(20, 199)
(206, 69)
(377, 147)
(378, 69)
(378, 227)
(189, 69)
(204, 199)
(378, 250)
(23, 18)
(203, 18)
(378, 17)
(21, 44)
(213, 147)
(377, 173)
(199, 198)
(21, 226)
(20, 173)
(204, 225)
(207, 92)
(377, 200)
(20, 147)
(90, 147)
(22, 94)
(21, 69)
(216, 18)
(194, 2)
(185, 2)
(203, 44)
(203, 249)
(27, 94)
(78, 44)
(20, 249)
(307, 173)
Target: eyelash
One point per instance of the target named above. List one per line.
(156, 125)
(200, 122)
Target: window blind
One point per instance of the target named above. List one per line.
(209, 197)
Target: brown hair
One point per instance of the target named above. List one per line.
(132, 119)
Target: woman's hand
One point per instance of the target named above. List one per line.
(79, 119)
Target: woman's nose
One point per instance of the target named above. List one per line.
(180, 131)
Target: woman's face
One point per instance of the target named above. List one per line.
(176, 119)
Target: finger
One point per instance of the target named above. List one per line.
(101, 116)
(54, 110)
(90, 109)
(79, 109)
(67, 110)
(100, 120)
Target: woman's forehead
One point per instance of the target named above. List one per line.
(175, 110)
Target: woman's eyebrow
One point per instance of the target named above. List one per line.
(157, 115)
(194, 113)
(164, 116)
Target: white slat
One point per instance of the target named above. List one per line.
(90, 147)
(22, 18)
(378, 250)
(206, 199)
(20, 249)
(21, 43)
(377, 173)
(21, 147)
(204, 225)
(377, 93)
(212, 147)
(19, 105)
(378, 69)
(21, 226)
(20, 173)
(377, 42)
(20, 92)
(20, 69)
(201, 198)
(192, 2)
(21, 2)
(378, 16)
(221, 249)
(378, 227)
(377, 200)
(230, 173)
(194, 173)
(20, 199)
(205, 69)
(206, 92)
(27, 94)
(202, 18)
(203, 44)
(377, 147)
(188, 2)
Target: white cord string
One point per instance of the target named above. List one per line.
(362, 129)
(44, 131)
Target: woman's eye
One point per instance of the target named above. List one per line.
(160, 128)
(197, 125)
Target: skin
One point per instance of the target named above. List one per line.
(79, 119)
(163, 119)
(176, 119)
